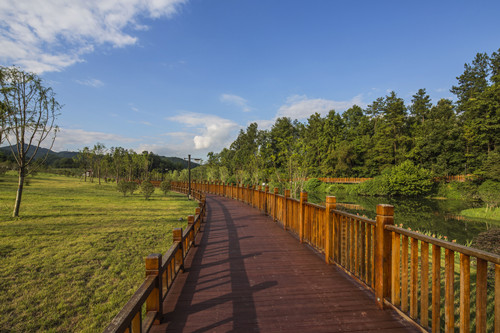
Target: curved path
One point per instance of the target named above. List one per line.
(248, 275)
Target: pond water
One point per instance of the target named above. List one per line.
(441, 217)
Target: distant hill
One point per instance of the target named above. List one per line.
(52, 155)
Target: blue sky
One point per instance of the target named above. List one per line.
(182, 77)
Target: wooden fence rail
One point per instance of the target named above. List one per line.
(407, 271)
(145, 307)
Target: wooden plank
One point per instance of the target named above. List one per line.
(481, 290)
(464, 293)
(396, 268)
(449, 297)
(414, 279)
(424, 286)
(436, 288)
(404, 274)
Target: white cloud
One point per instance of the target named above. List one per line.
(91, 83)
(301, 107)
(73, 139)
(214, 132)
(264, 124)
(50, 35)
(236, 100)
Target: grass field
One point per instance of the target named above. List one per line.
(75, 256)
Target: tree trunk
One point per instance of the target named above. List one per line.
(19, 192)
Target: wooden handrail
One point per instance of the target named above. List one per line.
(123, 319)
(159, 268)
(488, 256)
(353, 216)
(402, 267)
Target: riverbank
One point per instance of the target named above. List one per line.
(482, 213)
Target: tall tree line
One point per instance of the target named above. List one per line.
(447, 138)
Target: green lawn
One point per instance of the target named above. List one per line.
(492, 213)
(75, 256)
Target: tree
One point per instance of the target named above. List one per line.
(98, 158)
(473, 80)
(33, 110)
(165, 186)
(4, 110)
(147, 189)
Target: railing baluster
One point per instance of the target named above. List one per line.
(356, 247)
(362, 250)
(464, 293)
(414, 279)
(449, 299)
(436, 288)
(424, 284)
(396, 263)
(136, 324)
(481, 289)
(404, 274)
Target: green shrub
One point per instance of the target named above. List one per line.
(132, 187)
(124, 187)
(408, 179)
(405, 179)
(165, 186)
(376, 186)
(147, 189)
(314, 185)
(489, 192)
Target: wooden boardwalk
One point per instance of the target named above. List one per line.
(248, 275)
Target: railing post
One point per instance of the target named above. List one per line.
(266, 192)
(331, 203)
(275, 199)
(383, 253)
(285, 209)
(193, 231)
(302, 216)
(153, 302)
(258, 196)
(177, 237)
(248, 197)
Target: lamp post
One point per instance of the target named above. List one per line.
(189, 177)
(189, 173)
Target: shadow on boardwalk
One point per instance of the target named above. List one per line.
(248, 275)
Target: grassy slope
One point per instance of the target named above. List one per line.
(76, 254)
(483, 212)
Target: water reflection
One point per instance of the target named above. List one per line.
(440, 217)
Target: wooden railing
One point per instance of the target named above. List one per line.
(344, 180)
(145, 307)
(406, 270)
